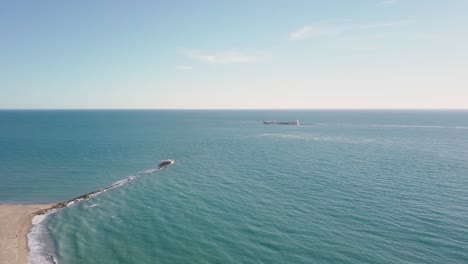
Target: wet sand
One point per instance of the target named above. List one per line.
(15, 223)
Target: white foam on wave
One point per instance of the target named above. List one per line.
(115, 185)
(303, 137)
(38, 219)
(306, 137)
(91, 206)
(118, 184)
(148, 171)
(154, 170)
(74, 202)
(411, 126)
(38, 253)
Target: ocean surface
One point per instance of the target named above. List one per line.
(346, 187)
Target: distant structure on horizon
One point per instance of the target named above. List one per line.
(296, 123)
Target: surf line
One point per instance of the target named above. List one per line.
(60, 205)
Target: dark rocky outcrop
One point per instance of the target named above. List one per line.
(53, 207)
(165, 163)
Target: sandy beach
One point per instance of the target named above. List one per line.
(15, 222)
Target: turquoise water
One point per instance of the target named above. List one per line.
(356, 187)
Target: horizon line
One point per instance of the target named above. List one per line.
(224, 109)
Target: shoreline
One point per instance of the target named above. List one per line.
(15, 224)
(16, 219)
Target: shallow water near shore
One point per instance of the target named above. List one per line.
(356, 187)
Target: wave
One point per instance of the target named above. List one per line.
(297, 136)
(410, 126)
(398, 126)
(38, 249)
(320, 138)
(421, 126)
(91, 206)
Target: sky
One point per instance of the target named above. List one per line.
(334, 54)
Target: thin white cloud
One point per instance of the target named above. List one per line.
(348, 27)
(312, 31)
(225, 57)
(183, 68)
(386, 24)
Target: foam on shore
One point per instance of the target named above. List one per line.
(38, 250)
(37, 237)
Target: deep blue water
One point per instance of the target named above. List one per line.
(355, 187)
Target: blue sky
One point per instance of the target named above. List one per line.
(233, 54)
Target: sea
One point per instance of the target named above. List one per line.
(346, 186)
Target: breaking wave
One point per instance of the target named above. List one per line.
(39, 252)
(319, 138)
